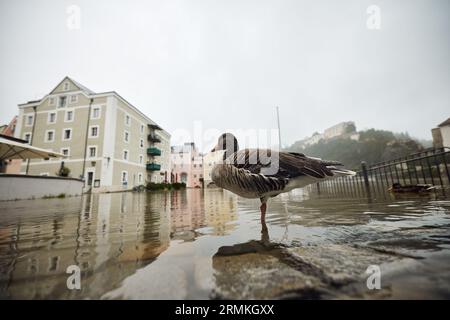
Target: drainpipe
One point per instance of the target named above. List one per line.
(32, 136)
(86, 139)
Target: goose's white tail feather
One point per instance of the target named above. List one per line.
(342, 172)
(303, 181)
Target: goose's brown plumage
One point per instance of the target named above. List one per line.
(264, 173)
(290, 164)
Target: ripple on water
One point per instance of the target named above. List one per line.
(128, 243)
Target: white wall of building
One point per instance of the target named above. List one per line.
(445, 132)
(13, 187)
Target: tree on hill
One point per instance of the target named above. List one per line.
(372, 147)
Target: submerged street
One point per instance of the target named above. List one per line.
(203, 244)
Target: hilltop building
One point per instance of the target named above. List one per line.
(340, 130)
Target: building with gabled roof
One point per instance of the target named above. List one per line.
(107, 141)
(441, 135)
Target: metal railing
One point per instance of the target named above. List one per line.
(428, 167)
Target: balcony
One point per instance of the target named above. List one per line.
(153, 166)
(153, 138)
(154, 127)
(152, 151)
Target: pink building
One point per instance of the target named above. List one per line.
(187, 165)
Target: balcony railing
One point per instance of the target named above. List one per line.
(153, 166)
(153, 138)
(152, 151)
(154, 126)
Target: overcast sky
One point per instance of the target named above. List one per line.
(229, 63)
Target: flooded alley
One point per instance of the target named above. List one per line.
(209, 244)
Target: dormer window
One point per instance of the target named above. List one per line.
(62, 101)
(66, 86)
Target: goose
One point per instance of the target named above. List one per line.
(265, 173)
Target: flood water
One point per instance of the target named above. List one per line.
(208, 244)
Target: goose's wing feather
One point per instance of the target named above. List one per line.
(290, 164)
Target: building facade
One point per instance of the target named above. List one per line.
(209, 160)
(441, 135)
(187, 165)
(339, 129)
(105, 140)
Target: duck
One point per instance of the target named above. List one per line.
(416, 188)
(266, 173)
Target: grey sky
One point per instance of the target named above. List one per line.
(229, 63)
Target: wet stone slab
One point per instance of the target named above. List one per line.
(257, 271)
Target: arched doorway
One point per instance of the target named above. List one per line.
(184, 177)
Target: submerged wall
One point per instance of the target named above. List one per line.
(18, 186)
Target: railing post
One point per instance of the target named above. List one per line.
(366, 178)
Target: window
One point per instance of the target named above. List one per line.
(141, 159)
(140, 177)
(51, 101)
(69, 116)
(125, 154)
(142, 128)
(65, 151)
(195, 166)
(92, 151)
(93, 133)
(66, 86)
(124, 177)
(27, 137)
(29, 120)
(195, 176)
(126, 136)
(49, 135)
(141, 143)
(51, 117)
(200, 165)
(73, 98)
(62, 101)
(95, 113)
(67, 134)
(127, 119)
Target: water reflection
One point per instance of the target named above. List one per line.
(109, 236)
(209, 243)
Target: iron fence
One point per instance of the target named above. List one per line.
(429, 167)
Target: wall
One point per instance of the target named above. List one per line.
(445, 132)
(14, 187)
(209, 160)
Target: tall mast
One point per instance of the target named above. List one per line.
(279, 131)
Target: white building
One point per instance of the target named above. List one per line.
(209, 160)
(441, 135)
(107, 141)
